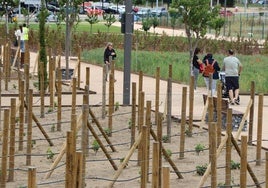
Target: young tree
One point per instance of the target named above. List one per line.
(109, 19)
(196, 16)
(155, 22)
(92, 19)
(146, 24)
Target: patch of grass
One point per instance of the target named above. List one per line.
(199, 148)
(254, 67)
(201, 169)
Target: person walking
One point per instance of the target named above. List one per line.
(109, 51)
(212, 69)
(232, 67)
(196, 66)
(20, 38)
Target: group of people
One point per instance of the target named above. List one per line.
(21, 36)
(231, 66)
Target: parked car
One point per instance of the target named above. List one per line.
(144, 12)
(120, 9)
(109, 10)
(227, 13)
(94, 10)
(263, 2)
(161, 11)
(52, 8)
(51, 17)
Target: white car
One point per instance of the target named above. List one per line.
(50, 18)
(119, 8)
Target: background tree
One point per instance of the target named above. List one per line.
(155, 22)
(109, 20)
(196, 16)
(92, 19)
(69, 12)
(42, 40)
(174, 15)
(146, 24)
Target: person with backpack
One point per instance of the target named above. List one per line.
(196, 66)
(232, 67)
(211, 68)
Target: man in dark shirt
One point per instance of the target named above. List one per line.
(109, 51)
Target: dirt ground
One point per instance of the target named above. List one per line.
(99, 171)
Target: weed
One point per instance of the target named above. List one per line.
(235, 165)
(50, 109)
(95, 146)
(188, 132)
(108, 131)
(129, 123)
(52, 129)
(55, 104)
(33, 143)
(198, 148)
(116, 106)
(169, 153)
(14, 86)
(165, 138)
(50, 154)
(201, 169)
(17, 119)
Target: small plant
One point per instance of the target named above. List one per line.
(188, 132)
(50, 109)
(235, 165)
(201, 169)
(55, 104)
(169, 153)
(165, 138)
(116, 106)
(121, 161)
(95, 146)
(129, 123)
(52, 129)
(108, 131)
(50, 154)
(199, 148)
(17, 119)
(14, 86)
(33, 143)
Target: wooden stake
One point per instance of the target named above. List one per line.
(157, 91)
(243, 168)
(251, 114)
(259, 130)
(32, 177)
(183, 121)
(155, 165)
(133, 114)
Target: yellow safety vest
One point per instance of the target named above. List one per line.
(25, 33)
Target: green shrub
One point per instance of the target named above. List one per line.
(201, 169)
(199, 148)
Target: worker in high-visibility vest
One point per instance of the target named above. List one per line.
(25, 32)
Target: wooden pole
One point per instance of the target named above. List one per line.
(32, 177)
(140, 123)
(133, 114)
(213, 130)
(166, 177)
(79, 162)
(183, 121)
(259, 130)
(266, 169)
(4, 149)
(155, 165)
(74, 96)
(126, 159)
(29, 128)
(69, 160)
(104, 91)
(59, 100)
(191, 105)
(87, 76)
(210, 119)
(79, 69)
(157, 91)
(251, 114)
(243, 168)
(27, 81)
(12, 136)
(219, 113)
(158, 138)
(144, 158)
(42, 90)
(148, 125)
(21, 114)
(228, 155)
(111, 105)
(84, 143)
(169, 103)
(1, 100)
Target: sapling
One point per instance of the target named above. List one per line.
(201, 169)
(95, 146)
(50, 154)
(108, 131)
(116, 106)
(198, 148)
(165, 138)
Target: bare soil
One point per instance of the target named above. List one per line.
(99, 171)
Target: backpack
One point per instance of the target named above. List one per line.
(201, 68)
(209, 69)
